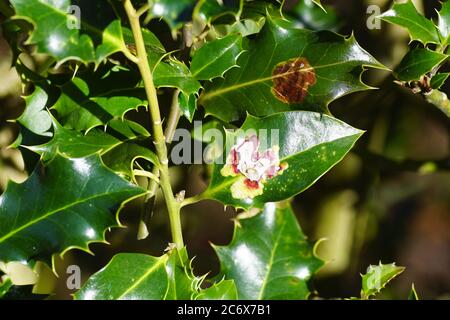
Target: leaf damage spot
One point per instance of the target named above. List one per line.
(292, 79)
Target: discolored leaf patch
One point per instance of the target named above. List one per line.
(292, 79)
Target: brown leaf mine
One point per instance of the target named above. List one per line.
(292, 79)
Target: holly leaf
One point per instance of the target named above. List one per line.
(444, 22)
(154, 47)
(35, 117)
(407, 16)
(66, 204)
(74, 144)
(377, 277)
(95, 99)
(439, 79)
(216, 57)
(223, 290)
(174, 12)
(146, 278)
(417, 63)
(58, 33)
(119, 148)
(183, 285)
(174, 74)
(269, 257)
(274, 75)
(210, 10)
(309, 145)
(315, 17)
(188, 105)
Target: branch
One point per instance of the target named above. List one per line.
(159, 139)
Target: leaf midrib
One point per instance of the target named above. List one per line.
(143, 277)
(50, 213)
(271, 262)
(416, 24)
(238, 86)
(418, 62)
(222, 53)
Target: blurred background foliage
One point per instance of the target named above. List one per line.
(389, 200)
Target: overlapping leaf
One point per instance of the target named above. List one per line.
(69, 203)
(275, 75)
(35, 118)
(417, 63)
(309, 143)
(439, 79)
(315, 17)
(377, 277)
(224, 290)
(125, 142)
(174, 12)
(128, 276)
(96, 99)
(444, 22)
(132, 276)
(173, 73)
(59, 33)
(269, 257)
(406, 15)
(216, 57)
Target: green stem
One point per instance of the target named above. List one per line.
(172, 123)
(192, 200)
(159, 139)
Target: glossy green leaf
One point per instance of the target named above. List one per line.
(309, 144)
(407, 16)
(120, 147)
(174, 74)
(317, 2)
(58, 33)
(269, 257)
(183, 285)
(35, 117)
(223, 290)
(245, 27)
(154, 47)
(128, 276)
(118, 151)
(316, 18)
(444, 22)
(74, 144)
(216, 57)
(122, 157)
(209, 10)
(377, 277)
(67, 204)
(274, 75)
(97, 99)
(188, 105)
(174, 12)
(134, 276)
(439, 79)
(417, 63)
